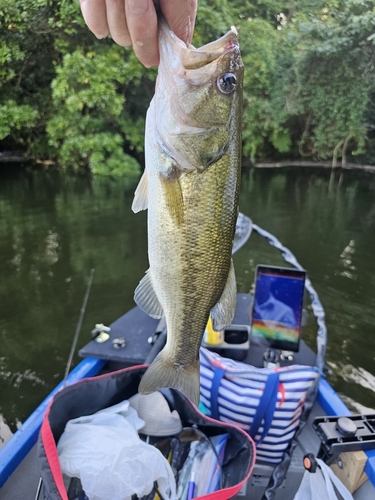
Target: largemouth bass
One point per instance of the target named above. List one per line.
(190, 187)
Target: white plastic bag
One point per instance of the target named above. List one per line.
(320, 485)
(112, 462)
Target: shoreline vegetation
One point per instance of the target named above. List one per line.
(70, 100)
(11, 158)
(321, 164)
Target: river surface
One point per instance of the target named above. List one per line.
(54, 228)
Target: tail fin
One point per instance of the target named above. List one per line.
(164, 373)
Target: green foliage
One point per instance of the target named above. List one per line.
(101, 152)
(334, 74)
(92, 122)
(262, 118)
(14, 117)
(54, 69)
(309, 81)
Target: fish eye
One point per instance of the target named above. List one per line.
(227, 83)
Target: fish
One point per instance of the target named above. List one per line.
(190, 187)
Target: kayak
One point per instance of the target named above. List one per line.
(135, 339)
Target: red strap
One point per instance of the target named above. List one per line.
(50, 445)
(52, 456)
(226, 493)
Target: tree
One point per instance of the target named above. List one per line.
(335, 76)
(308, 88)
(66, 93)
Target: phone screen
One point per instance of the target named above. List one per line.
(277, 307)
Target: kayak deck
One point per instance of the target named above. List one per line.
(135, 328)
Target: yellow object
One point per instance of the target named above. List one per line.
(212, 336)
(351, 473)
(156, 497)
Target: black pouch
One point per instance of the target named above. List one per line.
(93, 394)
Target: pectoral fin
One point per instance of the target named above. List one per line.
(140, 201)
(146, 298)
(173, 197)
(222, 314)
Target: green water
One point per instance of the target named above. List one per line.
(54, 228)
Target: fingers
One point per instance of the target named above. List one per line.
(142, 25)
(95, 16)
(117, 22)
(134, 22)
(104, 17)
(180, 15)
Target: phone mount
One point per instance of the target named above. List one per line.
(272, 357)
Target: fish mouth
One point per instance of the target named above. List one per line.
(200, 57)
(191, 58)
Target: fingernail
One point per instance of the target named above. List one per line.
(150, 63)
(137, 7)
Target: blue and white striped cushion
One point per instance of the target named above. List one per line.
(240, 391)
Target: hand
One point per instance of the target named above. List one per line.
(134, 22)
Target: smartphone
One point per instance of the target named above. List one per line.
(277, 307)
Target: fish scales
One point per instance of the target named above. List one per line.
(203, 244)
(191, 189)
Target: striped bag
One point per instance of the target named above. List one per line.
(265, 402)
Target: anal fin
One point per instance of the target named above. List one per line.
(223, 312)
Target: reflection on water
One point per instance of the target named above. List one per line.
(347, 261)
(5, 432)
(350, 373)
(356, 407)
(54, 228)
